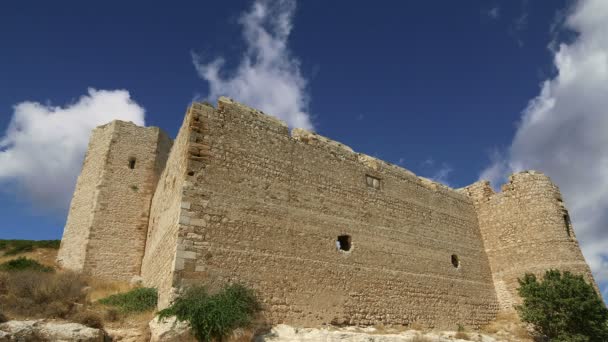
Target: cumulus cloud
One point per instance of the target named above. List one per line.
(564, 130)
(268, 76)
(42, 150)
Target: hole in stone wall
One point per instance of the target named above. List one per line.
(190, 173)
(131, 163)
(372, 182)
(343, 243)
(455, 261)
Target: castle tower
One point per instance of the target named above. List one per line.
(105, 233)
(526, 229)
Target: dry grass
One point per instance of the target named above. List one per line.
(33, 294)
(103, 288)
(510, 323)
(420, 338)
(242, 335)
(416, 326)
(89, 318)
(462, 335)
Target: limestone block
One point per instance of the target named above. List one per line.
(35, 330)
(170, 329)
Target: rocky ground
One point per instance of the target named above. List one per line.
(145, 327)
(172, 331)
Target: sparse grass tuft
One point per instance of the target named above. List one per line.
(137, 300)
(88, 318)
(420, 338)
(13, 247)
(111, 315)
(3, 318)
(24, 264)
(213, 317)
(462, 335)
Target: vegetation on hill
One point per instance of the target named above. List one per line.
(13, 247)
(36, 294)
(137, 300)
(24, 264)
(213, 317)
(563, 307)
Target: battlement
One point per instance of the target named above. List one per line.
(303, 219)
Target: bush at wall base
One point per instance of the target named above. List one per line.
(563, 307)
(214, 317)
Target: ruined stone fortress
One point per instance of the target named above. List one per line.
(323, 234)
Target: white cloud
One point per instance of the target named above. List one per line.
(564, 130)
(520, 24)
(494, 12)
(268, 77)
(441, 175)
(42, 150)
(436, 171)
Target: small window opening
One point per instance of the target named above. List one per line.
(343, 243)
(131, 163)
(455, 261)
(567, 223)
(372, 182)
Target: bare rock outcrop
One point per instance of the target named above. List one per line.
(170, 329)
(286, 333)
(42, 330)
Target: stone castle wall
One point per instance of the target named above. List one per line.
(72, 251)
(162, 241)
(525, 228)
(265, 208)
(108, 219)
(241, 199)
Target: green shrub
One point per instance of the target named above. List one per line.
(563, 307)
(214, 316)
(13, 247)
(136, 300)
(24, 264)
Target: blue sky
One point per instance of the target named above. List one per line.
(448, 89)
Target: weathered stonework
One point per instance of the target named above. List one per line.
(525, 227)
(105, 234)
(322, 233)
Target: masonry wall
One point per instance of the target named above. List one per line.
(526, 229)
(130, 159)
(265, 208)
(162, 237)
(75, 238)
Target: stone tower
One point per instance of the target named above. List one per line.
(105, 233)
(526, 229)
